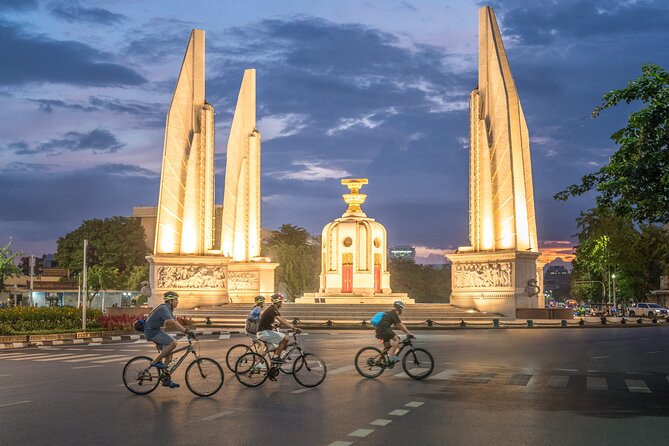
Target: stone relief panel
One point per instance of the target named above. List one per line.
(483, 275)
(243, 281)
(193, 276)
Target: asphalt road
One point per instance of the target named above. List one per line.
(532, 386)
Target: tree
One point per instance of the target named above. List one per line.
(7, 266)
(635, 183)
(116, 247)
(421, 282)
(298, 256)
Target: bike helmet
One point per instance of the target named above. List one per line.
(170, 295)
(276, 298)
(260, 299)
(398, 304)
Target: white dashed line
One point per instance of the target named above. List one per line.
(341, 443)
(16, 403)
(8, 374)
(414, 404)
(381, 422)
(398, 412)
(361, 433)
(637, 386)
(301, 390)
(86, 367)
(566, 370)
(216, 416)
(446, 374)
(224, 336)
(344, 369)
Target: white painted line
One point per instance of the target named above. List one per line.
(652, 353)
(301, 390)
(640, 373)
(115, 338)
(16, 403)
(58, 342)
(597, 371)
(558, 381)
(446, 374)
(78, 341)
(381, 422)
(29, 357)
(93, 344)
(224, 336)
(341, 443)
(414, 404)
(216, 416)
(344, 369)
(59, 358)
(600, 357)
(104, 361)
(86, 367)
(7, 374)
(398, 412)
(597, 383)
(361, 433)
(131, 350)
(637, 386)
(11, 355)
(566, 370)
(141, 341)
(81, 358)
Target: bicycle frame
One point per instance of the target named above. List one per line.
(188, 349)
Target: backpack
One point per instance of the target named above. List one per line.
(376, 319)
(252, 326)
(139, 325)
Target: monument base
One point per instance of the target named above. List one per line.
(199, 280)
(246, 280)
(353, 298)
(496, 282)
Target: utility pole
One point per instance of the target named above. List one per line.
(613, 276)
(85, 287)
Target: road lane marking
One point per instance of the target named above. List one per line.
(414, 404)
(558, 381)
(16, 403)
(640, 373)
(446, 374)
(82, 358)
(652, 353)
(6, 374)
(131, 350)
(597, 383)
(398, 412)
(216, 416)
(600, 357)
(86, 367)
(115, 359)
(59, 358)
(11, 355)
(381, 422)
(637, 386)
(34, 357)
(346, 368)
(519, 379)
(361, 433)
(224, 336)
(301, 390)
(566, 370)
(341, 443)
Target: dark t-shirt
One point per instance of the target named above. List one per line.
(158, 317)
(267, 317)
(388, 320)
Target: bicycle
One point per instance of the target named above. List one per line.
(238, 350)
(204, 376)
(417, 362)
(252, 369)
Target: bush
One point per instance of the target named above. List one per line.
(26, 320)
(126, 322)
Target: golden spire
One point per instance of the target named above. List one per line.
(354, 199)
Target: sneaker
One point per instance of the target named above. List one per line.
(394, 359)
(169, 383)
(159, 365)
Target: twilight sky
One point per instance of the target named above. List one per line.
(345, 89)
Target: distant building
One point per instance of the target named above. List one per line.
(402, 252)
(557, 282)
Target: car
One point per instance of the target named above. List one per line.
(647, 309)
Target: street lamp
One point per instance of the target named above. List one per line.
(613, 277)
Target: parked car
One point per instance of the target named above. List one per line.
(647, 309)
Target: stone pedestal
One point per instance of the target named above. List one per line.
(498, 282)
(246, 280)
(199, 280)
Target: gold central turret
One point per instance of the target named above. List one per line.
(354, 199)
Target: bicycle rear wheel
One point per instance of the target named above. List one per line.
(251, 369)
(204, 377)
(369, 362)
(236, 352)
(309, 370)
(418, 363)
(139, 377)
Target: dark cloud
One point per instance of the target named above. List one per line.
(96, 141)
(75, 13)
(29, 58)
(158, 39)
(18, 5)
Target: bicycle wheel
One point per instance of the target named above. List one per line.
(204, 377)
(289, 355)
(251, 369)
(309, 370)
(418, 363)
(369, 362)
(139, 377)
(236, 352)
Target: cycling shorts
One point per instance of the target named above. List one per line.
(161, 338)
(271, 337)
(385, 335)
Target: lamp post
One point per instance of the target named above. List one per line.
(613, 277)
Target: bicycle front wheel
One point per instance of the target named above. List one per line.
(204, 377)
(236, 352)
(418, 363)
(139, 377)
(251, 369)
(369, 362)
(309, 370)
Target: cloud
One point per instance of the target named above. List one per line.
(97, 141)
(30, 58)
(281, 126)
(72, 12)
(312, 171)
(18, 5)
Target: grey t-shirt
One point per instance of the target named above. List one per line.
(158, 317)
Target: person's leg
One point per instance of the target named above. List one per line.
(281, 347)
(394, 346)
(168, 346)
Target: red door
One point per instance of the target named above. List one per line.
(377, 279)
(347, 278)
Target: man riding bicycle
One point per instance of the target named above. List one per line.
(387, 335)
(266, 333)
(163, 314)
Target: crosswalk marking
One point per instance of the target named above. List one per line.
(381, 422)
(361, 433)
(446, 374)
(637, 386)
(558, 381)
(519, 379)
(481, 378)
(597, 383)
(216, 416)
(29, 357)
(86, 367)
(82, 358)
(414, 404)
(398, 412)
(58, 358)
(114, 358)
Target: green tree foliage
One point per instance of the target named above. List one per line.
(116, 249)
(298, 257)
(635, 183)
(421, 282)
(611, 244)
(7, 266)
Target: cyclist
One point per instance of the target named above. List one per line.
(254, 316)
(275, 339)
(163, 314)
(387, 335)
